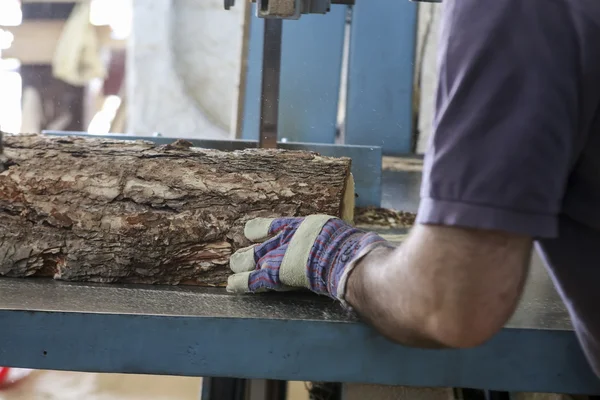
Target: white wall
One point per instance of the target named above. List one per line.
(183, 67)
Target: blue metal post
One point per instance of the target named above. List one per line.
(380, 75)
(310, 77)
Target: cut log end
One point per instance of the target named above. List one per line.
(348, 200)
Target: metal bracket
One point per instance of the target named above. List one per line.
(293, 9)
(290, 9)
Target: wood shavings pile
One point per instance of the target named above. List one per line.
(401, 164)
(373, 216)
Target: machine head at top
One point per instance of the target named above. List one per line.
(290, 9)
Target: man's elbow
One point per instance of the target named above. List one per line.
(465, 333)
(448, 330)
(462, 327)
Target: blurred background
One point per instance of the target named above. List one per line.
(63, 66)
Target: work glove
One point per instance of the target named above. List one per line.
(317, 252)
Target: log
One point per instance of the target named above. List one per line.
(98, 210)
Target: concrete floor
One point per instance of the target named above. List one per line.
(54, 385)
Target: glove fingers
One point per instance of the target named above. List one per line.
(261, 229)
(243, 260)
(238, 283)
(258, 229)
(263, 279)
(272, 249)
(254, 282)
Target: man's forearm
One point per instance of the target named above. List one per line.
(374, 303)
(444, 287)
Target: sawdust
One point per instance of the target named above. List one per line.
(383, 217)
(401, 164)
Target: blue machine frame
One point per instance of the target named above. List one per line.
(380, 76)
(206, 332)
(311, 64)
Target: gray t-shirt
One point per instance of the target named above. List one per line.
(516, 145)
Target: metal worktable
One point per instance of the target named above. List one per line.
(207, 332)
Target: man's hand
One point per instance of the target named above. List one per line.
(316, 253)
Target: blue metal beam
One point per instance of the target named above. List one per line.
(288, 336)
(515, 360)
(380, 75)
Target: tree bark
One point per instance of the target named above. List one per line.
(102, 210)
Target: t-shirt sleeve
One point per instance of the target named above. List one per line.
(506, 116)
